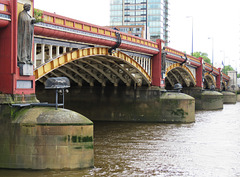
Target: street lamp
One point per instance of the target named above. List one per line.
(192, 31)
(212, 47)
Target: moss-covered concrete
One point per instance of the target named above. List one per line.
(178, 107)
(148, 104)
(211, 100)
(45, 138)
(238, 97)
(17, 98)
(229, 97)
(206, 99)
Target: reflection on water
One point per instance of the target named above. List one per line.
(208, 147)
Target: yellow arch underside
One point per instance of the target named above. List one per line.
(81, 53)
(177, 65)
(211, 76)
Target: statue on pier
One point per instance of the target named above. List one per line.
(25, 35)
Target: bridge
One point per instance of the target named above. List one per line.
(114, 77)
(92, 54)
(80, 51)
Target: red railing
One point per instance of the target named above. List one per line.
(58, 20)
(226, 77)
(4, 7)
(180, 56)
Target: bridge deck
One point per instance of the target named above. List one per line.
(60, 27)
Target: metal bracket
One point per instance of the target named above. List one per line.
(185, 61)
(211, 70)
(119, 41)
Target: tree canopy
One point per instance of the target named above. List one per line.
(203, 55)
(227, 68)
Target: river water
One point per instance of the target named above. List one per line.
(208, 147)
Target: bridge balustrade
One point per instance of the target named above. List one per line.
(55, 19)
(44, 52)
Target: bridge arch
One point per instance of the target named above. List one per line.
(94, 65)
(209, 81)
(224, 86)
(177, 73)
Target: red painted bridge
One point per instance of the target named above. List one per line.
(89, 54)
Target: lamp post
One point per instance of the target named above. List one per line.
(223, 57)
(192, 31)
(212, 48)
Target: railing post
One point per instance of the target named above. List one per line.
(64, 49)
(57, 51)
(35, 56)
(50, 52)
(42, 53)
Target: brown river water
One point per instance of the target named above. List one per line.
(208, 147)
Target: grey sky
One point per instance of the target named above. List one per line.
(219, 19)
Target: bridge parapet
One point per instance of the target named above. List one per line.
(225, 77)
(181, 57)
(4, 7)
(209, 68)
(5, 15)
(66, 28)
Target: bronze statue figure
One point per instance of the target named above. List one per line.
(25, 35)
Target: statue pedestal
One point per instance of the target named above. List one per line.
(26, 69)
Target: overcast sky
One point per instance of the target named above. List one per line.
(215, 19)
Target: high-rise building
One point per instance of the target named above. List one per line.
(150, 13)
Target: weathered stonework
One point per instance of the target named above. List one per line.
(206, 99)
(45, 138)
(148, 104)
(238, 97)
(229, 97)
(18, 98)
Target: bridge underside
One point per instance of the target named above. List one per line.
(94, 66)
(180, 75)
(209, 81)
(177, 73)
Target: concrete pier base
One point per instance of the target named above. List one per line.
(44, 138)
(149, 104)
(229, 97)
(210, 100)
(177, 107)
(238, 97)
(205, 99)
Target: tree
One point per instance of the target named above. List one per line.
(227, 68)
(38, 15)
(203, 55)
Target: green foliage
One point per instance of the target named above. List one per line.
(238, 75)
(203, 55)
(38, 15)
(227, 68)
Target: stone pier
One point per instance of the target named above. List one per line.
(44, 138)
(206, 99)
(229, 97)
(144, 104)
